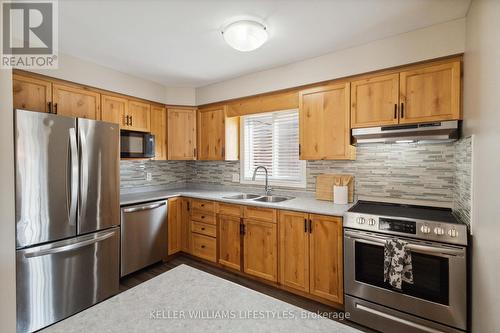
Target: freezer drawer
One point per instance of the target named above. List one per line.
(144, 235)
(59, 279)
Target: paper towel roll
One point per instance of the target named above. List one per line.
(340, 195)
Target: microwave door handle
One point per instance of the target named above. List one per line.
(425, 249)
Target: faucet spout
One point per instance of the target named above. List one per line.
(267, 188)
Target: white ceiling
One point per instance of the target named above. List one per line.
(178, 43)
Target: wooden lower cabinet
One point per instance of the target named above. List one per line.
(204, 247)
(260, 249)
(174, 225)
(230, 241)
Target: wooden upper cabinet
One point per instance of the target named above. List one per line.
(374, 101)
(113, 109)
(325, 251)
(324, 129)
(430, 93)
(181, 134)
(139, 116)
(159, 130)
(229, 240)
(294, 250)
(31, 94)
(260, 249)
(76, 102)
(174, 222)
(217, 135)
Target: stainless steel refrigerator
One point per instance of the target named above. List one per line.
(67, 216)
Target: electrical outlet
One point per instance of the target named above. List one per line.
(236, 178)
(149, 176)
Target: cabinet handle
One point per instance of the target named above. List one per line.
(50, 107)
(194, 152)
(55, 108)
(300, 149)
(203, 246)
(402, 110)
(131, 121)
(310, 226)
(202, 228)
(202, 216)
(305, 225)
(395, 111)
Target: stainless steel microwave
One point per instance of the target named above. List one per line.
(137, 144)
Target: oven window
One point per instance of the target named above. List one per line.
(430, 273)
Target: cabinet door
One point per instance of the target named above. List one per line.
(260, 249)
(374, 101)
(294, 250)
(325, 253)
(159, 129)
(139, 114)
(185, 225)
(324, 123)
(181, 133)
(174, 225)
(76, 102)
(229, 241)
(211, 134)
(31, 94)
(113, 109)
(430, 93)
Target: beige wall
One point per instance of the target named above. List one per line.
(428, 43)
(88, 73)
(7, 222)
(482, 118)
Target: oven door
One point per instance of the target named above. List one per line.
(439, 284)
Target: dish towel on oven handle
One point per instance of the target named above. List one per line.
(397, 263)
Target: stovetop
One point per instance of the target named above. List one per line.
(411, 221)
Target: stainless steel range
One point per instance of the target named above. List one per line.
(437, 299)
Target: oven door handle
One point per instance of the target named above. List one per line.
(425, 249)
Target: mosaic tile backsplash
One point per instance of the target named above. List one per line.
(432, 172)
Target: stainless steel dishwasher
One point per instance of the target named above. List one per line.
(143, 235)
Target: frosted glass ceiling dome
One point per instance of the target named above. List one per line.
(245, 35)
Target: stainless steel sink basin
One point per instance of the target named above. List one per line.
(272, 198)
(242, 196)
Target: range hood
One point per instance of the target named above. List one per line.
(444, 131)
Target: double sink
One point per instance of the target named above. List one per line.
(259, 198)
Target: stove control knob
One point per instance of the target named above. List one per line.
(360, 220)
(439, 231)
(453, 233)
(425, 229)
(371, 221)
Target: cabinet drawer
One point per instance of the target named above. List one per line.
(202, 216)
(228, 209)
(204, 205)
(203, 247)
(203, 228)
(262, 214)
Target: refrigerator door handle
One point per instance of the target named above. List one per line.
(84, 181)
(73, 152)
(69, 247)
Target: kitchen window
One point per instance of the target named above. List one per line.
(272, 140)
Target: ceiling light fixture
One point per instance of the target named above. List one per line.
(245, 35)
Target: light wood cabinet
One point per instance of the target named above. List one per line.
(181, 133)
(430, 93)
(294, 250)
(138, 116)
(311, 254)
(324, 129)
(325, 255)
(31, 94)
(204, 247)
(217, 135)
(260, 249)
(374, 101)
(114, 109)
(230, 241)
(76, 102)
(185, 225)
(159, 130)
(174, 225)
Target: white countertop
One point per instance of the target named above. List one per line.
(300, 204)
(171, 301)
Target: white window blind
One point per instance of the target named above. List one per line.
(272, 140)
